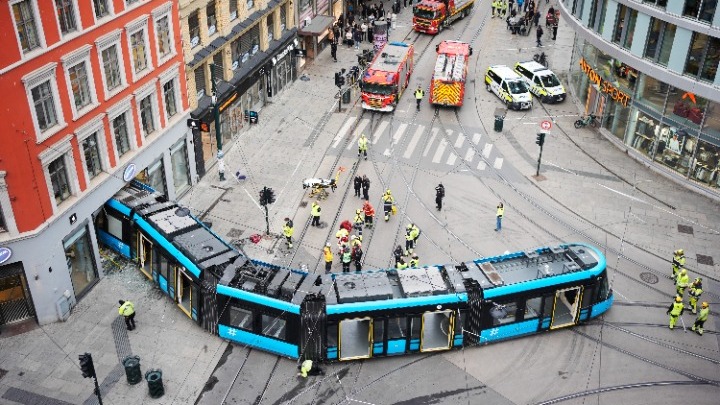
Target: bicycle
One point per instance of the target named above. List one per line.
(584, 121)
(541, 58)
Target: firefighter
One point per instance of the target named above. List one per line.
(695, 293)
(676, 309)
(388, 200)
(359, 221)
(362, 146)
(701, 318)
(419, 93)
(369, 212)
(401, 265)
(408, 240)
(682, 282)
(328, 256)
(678, 262)
(415, 261)
(288, 232)
(315, 213)
(355, 241)
(346, 259)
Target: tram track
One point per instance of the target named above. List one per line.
(623, 387)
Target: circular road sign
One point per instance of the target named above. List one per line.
(546, 125)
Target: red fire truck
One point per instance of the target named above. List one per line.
(387, 76)
(430, 16)
(447, 86)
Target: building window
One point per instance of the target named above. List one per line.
(91, 151)
(703, 57)
(704, 10)
(270, 26)
(170, 98)
(79, 85)
(629, 29)
(44, 106)
(3, 226)
(658, 3)
(620, 19)
(155, 177)
(59, 179)
(218, 61)
(233, 9)
(25, 25)
(102, 8)
(660, 41)
(111, 67)
(120, 131)
(200, 81)
(139, 51)
(653, 38)
(180, 169)
(146, 115)
(211, 19)
(250, 4)
(162, 28)
(66, 16)
(283, 19)
(194, 28)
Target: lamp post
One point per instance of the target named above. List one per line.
(216, 113)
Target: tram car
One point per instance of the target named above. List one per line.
(342, 317)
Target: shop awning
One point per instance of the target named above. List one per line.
(317, 26)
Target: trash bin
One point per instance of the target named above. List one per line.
(499, 117)
(132, 369)
(155, 384)
(346, 97)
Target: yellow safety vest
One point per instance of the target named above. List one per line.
(500, 211)
(127, 309)
(419, 94)
(703, 314)
(288, 231)
(677, 308)
(362, 143)
(315, 210)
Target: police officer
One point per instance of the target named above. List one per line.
(357, 185)
(362, 146)
(328, 256)
(409, 240)
(701, 318)
(695, 293)
(415, 261)
(678, 262)
(288, 232)
(676, 309)
(495, 6)
(127, 309)
(415, 233)
(419, 93)
(398, 253)
(499, 216)
(388, 201)
(315, 213)
(439, 195)
(366, 187)
(682, 282)
(357, 255)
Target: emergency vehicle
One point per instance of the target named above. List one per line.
(542, 81)
(508, 86)
(447, 86)
(431, 16)
(387, 76)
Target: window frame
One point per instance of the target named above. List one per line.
(110, 10)
(159, 13)
(76, 19)
(215, 29)
(6, 208)
(140, 24)
(122, 107)
(102, 44)
(37, 25)
(35, 79)
(148, 90)
(60, 150)
(172, 74)
(82, 55)
(196, 15)
(95, 127)
(232, 3)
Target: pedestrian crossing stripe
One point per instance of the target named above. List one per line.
(341, 133)
(413, 142)
(440, 150)
(487, 149)
(498, 163)
(380, 130)
(396, 138)
(430, 143)
(359, 130)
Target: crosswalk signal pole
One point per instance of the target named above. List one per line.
(540, 140)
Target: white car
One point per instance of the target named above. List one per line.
(509, 87)
(543, 83)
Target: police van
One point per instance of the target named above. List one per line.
(542, 81)
(508, 86)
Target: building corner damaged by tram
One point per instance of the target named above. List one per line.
(431, 16)
(387, 76)
(447, 86)
(340, 317)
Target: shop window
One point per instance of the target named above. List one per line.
(180, 169)
(241, 318)
(656, 3)
(616, 118)
(273, 326)
(703, 10)
(651, 92)
(712, 121)
(80, 260)
(704, 168)
(703, 57)
(505, 313)
(211, 19)
(194, 28)
(155, 177)
(685, 108)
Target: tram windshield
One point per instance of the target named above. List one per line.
(377, 88)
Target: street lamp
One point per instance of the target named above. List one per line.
(216, 113)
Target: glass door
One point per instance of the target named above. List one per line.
(356, 339)
(145, 255)
(437, 330)
(184, 292)
(565, 309)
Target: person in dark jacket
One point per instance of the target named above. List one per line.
(357, 184)
(538, 35)
(366, 188)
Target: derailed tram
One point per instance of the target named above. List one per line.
(340, 317)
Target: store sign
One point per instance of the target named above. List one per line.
(605, 86)
(5, 254)
(129, 172)
(283, 53)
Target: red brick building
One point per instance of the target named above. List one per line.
(93, 94)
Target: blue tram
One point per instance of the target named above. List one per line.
(339, 317)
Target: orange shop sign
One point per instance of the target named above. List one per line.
(605, 86)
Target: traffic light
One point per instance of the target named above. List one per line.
(540, 139)
(86, 365)
(263, 201)
(267, 196)
(337, 79)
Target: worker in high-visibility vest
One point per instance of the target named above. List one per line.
(701, 318)
(676, 310)
(695, 293)
(288, 231)
(127, 309)
(682, 282)
(419, 93)
(678, 262)
(362, 146)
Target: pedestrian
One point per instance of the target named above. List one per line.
(701, 318)
(503, 9)
(357, 37)
(536, 18)
(439, 195)
(364, 28)
(678, 262)
(494, 5)
(366, 187)
(419, 93)
(357, 254)
(127, 309)
(346, 259)
(388, 201)
(675, 310)
(408, 240)
(333, 50)
(359, 222)
(555, 28)
(328, 256)
(520, 4)
(695, 293)
(398, 254)
(369, 212)
(415, 233)
(682, 282)
(288, 232)
(357, 185)
(499, 215)
(415, 261)
(315, 213)
(538, 35)
(362, 146)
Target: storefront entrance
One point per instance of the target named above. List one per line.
(15, 302)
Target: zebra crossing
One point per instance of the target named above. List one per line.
(445, 147)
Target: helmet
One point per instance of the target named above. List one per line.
(683, 271)
(358, 211)
(678, 299)
(327, 245)
(388, 191)
(353, 237)
(409, 226)
(705, 305)
(415, 256)
(680, 251)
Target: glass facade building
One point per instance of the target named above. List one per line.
(648, 68)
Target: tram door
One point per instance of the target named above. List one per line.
(437, 330)
(565, 310)
(355, 339)
(145, 255)
(184, 294)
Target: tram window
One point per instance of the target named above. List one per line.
(604, 289)
(272, 326)
(548, 305)
(397, 328)
(164, 267)
(533, 308)
(459, 322)
(587, 297)
(241, 318)
(415, 325)
(509, 314)
(378, 329)
(332, 335)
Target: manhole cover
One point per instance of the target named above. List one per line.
(649, 277)
(234, 233)
(707, 260)
(685, 229)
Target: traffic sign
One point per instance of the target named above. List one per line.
(546, 125)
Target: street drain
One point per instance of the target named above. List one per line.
(685, 229)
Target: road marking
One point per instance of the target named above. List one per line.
(343, 130)
(451, 159)
(460, 141)
(378, 133)
(359, 130)
(439, 151)
(432, 139)
(476, 138)
(481, 165)
(487, 149)
(498, 163)
(469, 155)
(396, 137)
(413, 142)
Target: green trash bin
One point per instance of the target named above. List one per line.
(132, 369)
(498, 123)
(346, 97)
(155, 384)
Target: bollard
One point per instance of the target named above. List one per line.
(132, 369)
(155, 384)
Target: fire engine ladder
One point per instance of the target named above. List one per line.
(440, 65)
(458, 68)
